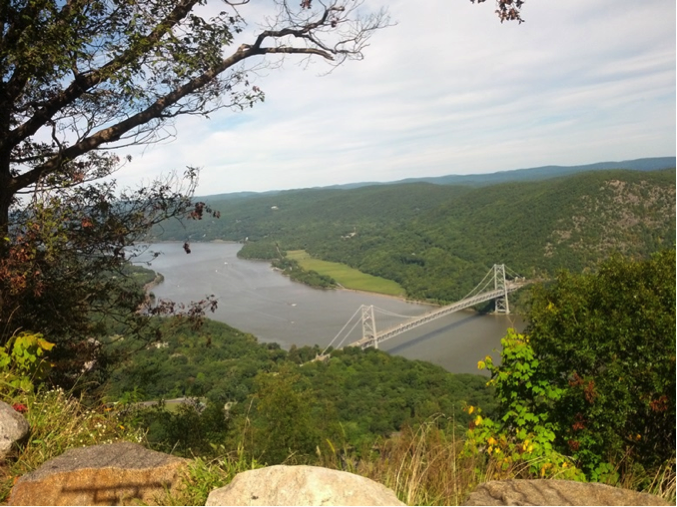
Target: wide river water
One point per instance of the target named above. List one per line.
(256, 299)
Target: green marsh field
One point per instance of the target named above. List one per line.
(346, 276)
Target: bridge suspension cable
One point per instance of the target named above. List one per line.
(512, 272)
(484, 283)
(392, 314)
(342, 329)
(494, 286)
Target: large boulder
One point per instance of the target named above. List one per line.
(13, 428)
(554, 492)
(112, 474)
(301, 485)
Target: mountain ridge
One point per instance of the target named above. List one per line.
(435, 240)
(527, 174)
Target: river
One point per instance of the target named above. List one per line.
(256, 299)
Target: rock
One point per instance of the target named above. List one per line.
(555, 492)
(110, 474)
(13, 427)
(301, 485)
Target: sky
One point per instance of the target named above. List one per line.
(447, 90)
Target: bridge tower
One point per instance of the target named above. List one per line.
(502, 305)
(369, 325)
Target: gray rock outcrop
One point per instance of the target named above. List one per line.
(110, 474)
(301, 485)
(555, 492)
(13, 427)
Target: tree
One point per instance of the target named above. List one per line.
(283, 425)
(595, 374)
(507, 10)
(65, 272)
(608, 340)
(81, 79)
(83, 76)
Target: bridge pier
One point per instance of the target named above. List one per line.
(480, 294)
(369, 326)
(502, 304)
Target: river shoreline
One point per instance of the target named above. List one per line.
(389, 296)
(338, 287)
(254, 299)
(403, 299)
(159, 278)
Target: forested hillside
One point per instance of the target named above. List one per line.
(369, 392)
(437, 241)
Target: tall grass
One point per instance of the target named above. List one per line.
(423, 465)
(58, 422)
(660, 482)
(426, 465)
(663, 483)
(201, 477)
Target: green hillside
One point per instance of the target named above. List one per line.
(221, 364)
(437, 241)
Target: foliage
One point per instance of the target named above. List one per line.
(22, 361)
(214, 361)
(524, 435)
(293, 270)
(345, 276)
(607, 340)
(438, 241)
(193, 429)
(201, 477)
(507, 10)
(82, 81)
(260, 250)
(66, 272)
(287, 422)
(101, 76)
(365, 393)
(142, 276)
(594, 377)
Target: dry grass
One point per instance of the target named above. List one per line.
(424, 466)
(58, 422)
(663, 483)
(427, 466)
(660, 483)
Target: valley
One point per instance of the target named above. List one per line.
(437, 241)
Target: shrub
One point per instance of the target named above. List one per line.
(594, 377)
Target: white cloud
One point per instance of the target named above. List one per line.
(450, 90)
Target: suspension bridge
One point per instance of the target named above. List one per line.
(496, 285)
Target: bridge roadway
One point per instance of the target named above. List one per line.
(436, 314)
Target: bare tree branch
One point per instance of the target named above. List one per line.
(336, 30)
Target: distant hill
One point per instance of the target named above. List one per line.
(531, 174)
(436, 240)
(548, 171)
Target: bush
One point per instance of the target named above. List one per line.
(596, 372)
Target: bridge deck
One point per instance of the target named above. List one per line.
(435, 314)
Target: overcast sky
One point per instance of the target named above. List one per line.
(448, 90)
